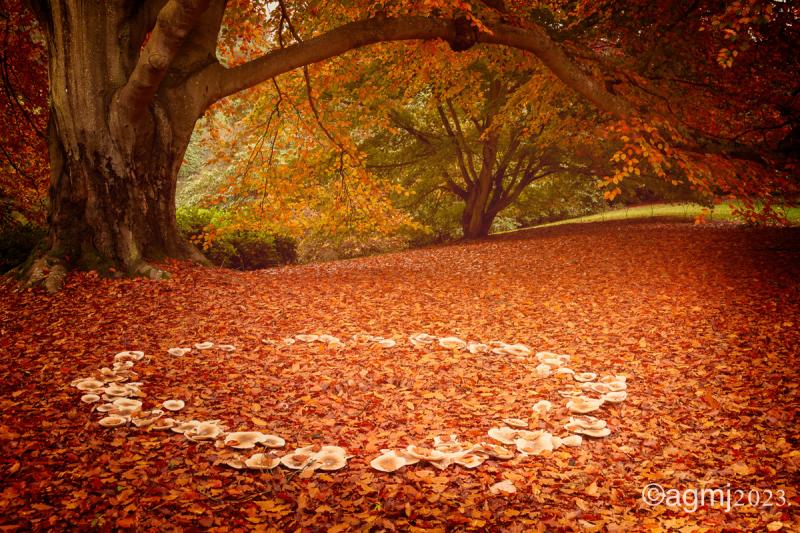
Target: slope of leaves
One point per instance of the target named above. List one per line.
(702, 320)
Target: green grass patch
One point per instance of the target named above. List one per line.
(682, 211)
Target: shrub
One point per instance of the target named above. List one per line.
(241, 249)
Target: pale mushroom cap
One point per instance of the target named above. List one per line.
(543, 370)
(273, 441)
(90, 398)
(517, 349)
(545, 355)
(115, 389)
(296, 461)
(426, 454)
(541, 407)
(515, 422)
(588, 422)
(183, 427)
(585, 376)
(329, 461)
(493, 450)
(388, 462)
(104, 408)
(542, 443)
(112, 421)
(204, 345)
(619, 377)
(387, 343)
(164, 423)
(571, 392)
(230, 348)
(173, 405)
(470, 460)
(307, 338)
(262, 461)
(288, 341)
(477, 347)
(505, 435)
(422, 338)
(582, 404)
(452, 343)
(604, 432)
(615, 397)
(565, 370)
(572, 441)
(330, 339)
(89, 384)
(129, 356)
(179, 352)
(244, 440)
(204, 431)
(530, 435)
(617, 386)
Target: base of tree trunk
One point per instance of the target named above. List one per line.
(49, 271)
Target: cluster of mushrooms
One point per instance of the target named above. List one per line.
(119, 392)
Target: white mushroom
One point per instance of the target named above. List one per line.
(542, 443)
(112, 421)
(600, 388)
(173, 405)
(452, 343)
(204, 345)
(493, 450)
(586, 421)
(571, 392)
(234, 462)
(505, 435)
(605, 432)
(477, 347)
(179, 352)
(543, 370)
(126, 406)
(387, 343)
(388, 462)
(329, 460)
(297, 461)
(261, 461)
(515, 422)
(519, 350)
(228, 348)
(90, 398)
(470, 460)
(89, 384)
(307, 338)
(450, 444)
(425, 454)
(288, 341)
(617, 386)
(421, 339)
(615, 397)
(183, 427)
(565, 370)
(585, 376)
(129, 356)
(542, 407)
(551, 362)
(244, 440)
(147, 418)
(329, 339)
(618, 377)
(273, 441)
(584, 404)
(205, 431)
(104, 408)
(572, 441)
(120, 391)
(163, 423)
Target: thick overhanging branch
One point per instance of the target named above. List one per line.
(174, 23)
(221, 82)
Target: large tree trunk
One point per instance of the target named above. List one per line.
(113, 175)
(476, 221)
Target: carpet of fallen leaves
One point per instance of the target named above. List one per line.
(702, 319)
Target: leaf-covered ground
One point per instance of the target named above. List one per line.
(703, 321)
